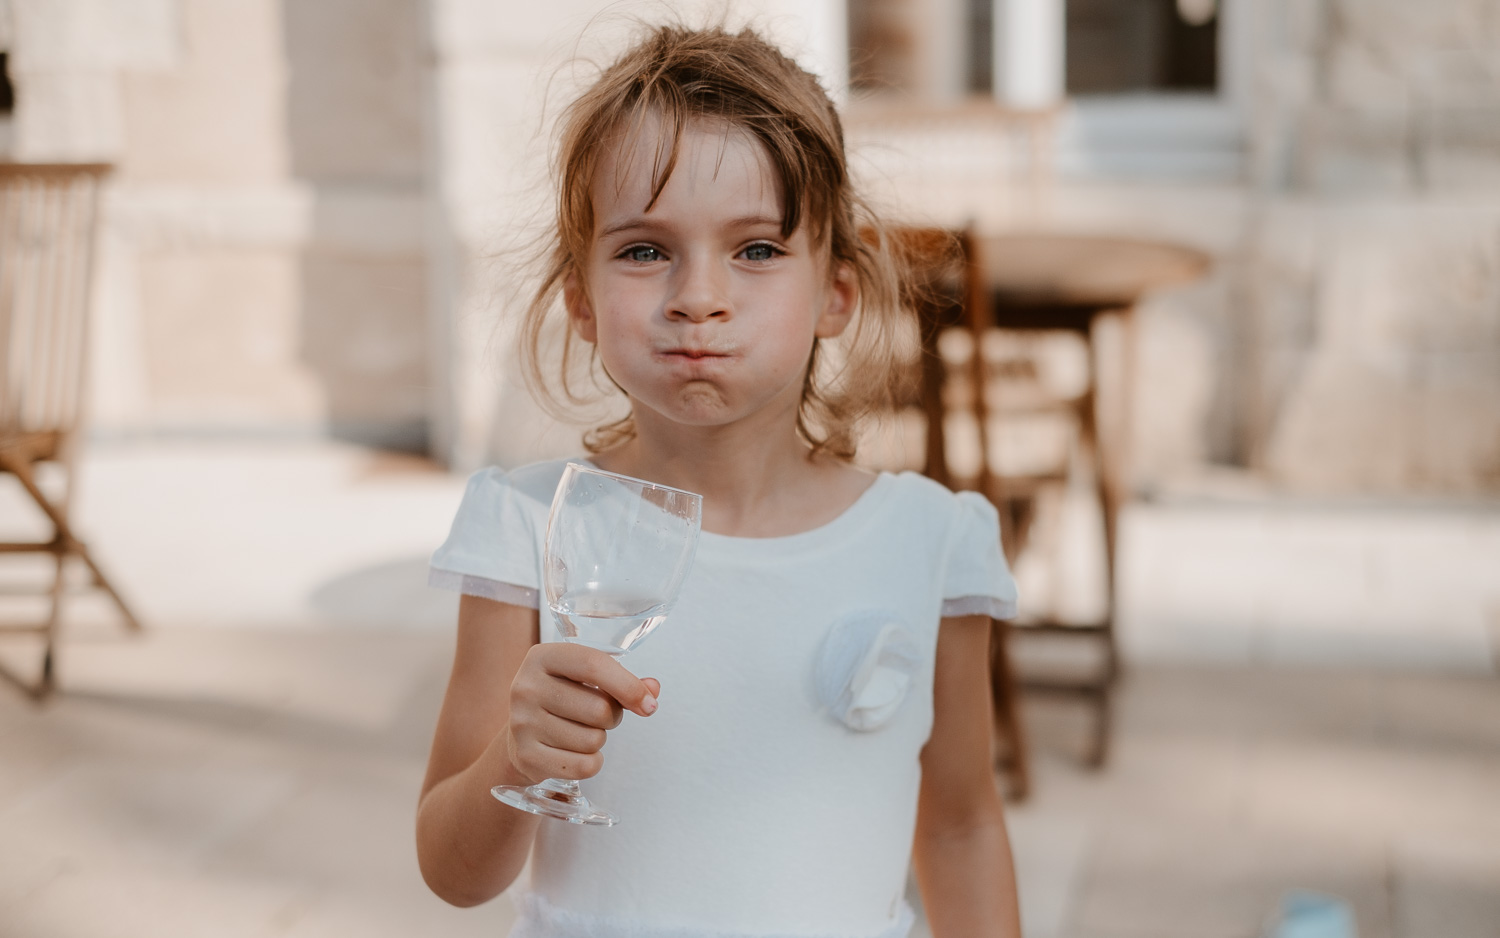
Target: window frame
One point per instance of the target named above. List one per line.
(1159, 135)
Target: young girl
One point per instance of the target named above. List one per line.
(818, 712)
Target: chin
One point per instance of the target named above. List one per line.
(704, 405)
(702, 410)
(702, 395)
(695, 406)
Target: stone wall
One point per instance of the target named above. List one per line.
(320, 205)
(1374, 318)
(262, 264)
(1347, 339)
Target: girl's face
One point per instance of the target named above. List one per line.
(700, 309)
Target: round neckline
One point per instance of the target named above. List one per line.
(780, 545)
(852, 516)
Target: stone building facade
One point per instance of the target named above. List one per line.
(319, 204)
(263, 257)
(316, 202)
(1373, 269)
(1345, 177)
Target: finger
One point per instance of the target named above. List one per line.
(567, 736)
(591, 666)
(542, 761)
(583, 704)
(653, 685)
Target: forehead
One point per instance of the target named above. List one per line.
(710, 160)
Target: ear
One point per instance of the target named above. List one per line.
(838, 308)
(580, 310)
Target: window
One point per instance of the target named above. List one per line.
(979, 22)
(1154, 88)
(1121, 46)
(7, 91)
(1158, 89)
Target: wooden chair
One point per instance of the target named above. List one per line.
(48, 215)
(941, 289)
(1019, 288)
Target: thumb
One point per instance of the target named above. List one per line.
(654, 687)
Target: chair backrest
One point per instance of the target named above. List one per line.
(48, 217)
(944, 290)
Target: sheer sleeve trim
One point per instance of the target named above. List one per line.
(991, 606)
(977, 580)
(484, 588)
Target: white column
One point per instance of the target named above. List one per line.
(814, 32)
(943, 56)
(1029, 56)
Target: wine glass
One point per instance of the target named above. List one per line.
(616, 554)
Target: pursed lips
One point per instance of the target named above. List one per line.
(694, 354)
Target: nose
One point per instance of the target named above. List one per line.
(700, 290)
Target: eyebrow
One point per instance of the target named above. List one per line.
(649, 224)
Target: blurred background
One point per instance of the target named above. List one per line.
(310, 233)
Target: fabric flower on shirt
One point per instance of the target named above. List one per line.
(865, 670)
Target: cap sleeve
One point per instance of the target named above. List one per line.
(977, 580)
(492, 550)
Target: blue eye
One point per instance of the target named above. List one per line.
(761, 252)
(642, 253)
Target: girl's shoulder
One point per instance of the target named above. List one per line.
(508, 504)
(963, 531)
(916, 494)
(530, 485)
(493, 547)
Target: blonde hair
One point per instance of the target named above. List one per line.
(675, 76)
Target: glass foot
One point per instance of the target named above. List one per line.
(554, 797)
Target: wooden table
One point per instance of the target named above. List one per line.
(1068, 283)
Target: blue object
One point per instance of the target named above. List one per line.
(1313, 915)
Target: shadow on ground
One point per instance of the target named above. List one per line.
(390, 595)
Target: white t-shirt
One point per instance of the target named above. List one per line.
(774, 792)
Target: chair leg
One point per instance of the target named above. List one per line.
(63, 546)
(1107, 491)
(100, 580)
(48, 680)
(1103, 724)
(1006, 701)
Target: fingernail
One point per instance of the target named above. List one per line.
(648, 705)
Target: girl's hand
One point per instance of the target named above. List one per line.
(563, 699)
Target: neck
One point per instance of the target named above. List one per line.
(744, 471)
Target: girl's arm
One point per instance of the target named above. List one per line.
(516, 712)
(962, 853)
(468, 851)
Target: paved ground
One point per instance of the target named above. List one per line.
(224, 783)
(249, 767)
(1230, 787)
(261, 782)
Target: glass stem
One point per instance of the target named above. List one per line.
(561, 789)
